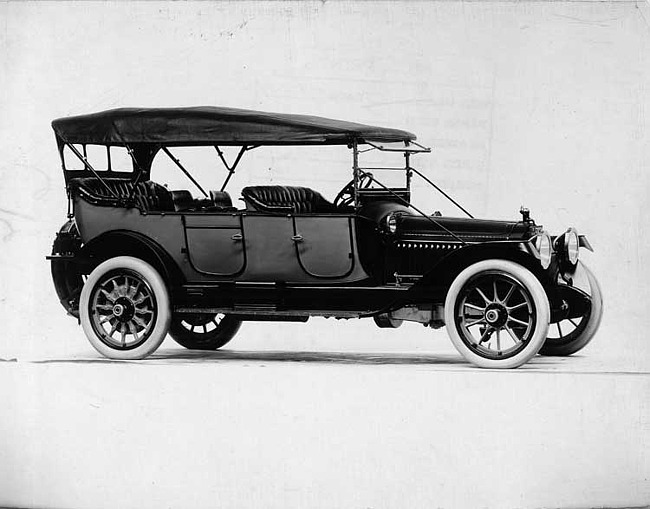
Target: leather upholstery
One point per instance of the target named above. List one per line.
(151, 196)
(182, 199)
(148, 196)
(221, 199)
(286, 199)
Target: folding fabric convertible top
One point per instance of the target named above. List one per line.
(210, 125)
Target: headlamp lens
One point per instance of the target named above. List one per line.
(391, 223)
(571, 246)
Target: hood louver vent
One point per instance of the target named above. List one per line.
(439, 246)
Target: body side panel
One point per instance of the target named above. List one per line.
(269, 253)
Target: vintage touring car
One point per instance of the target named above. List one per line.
(136, 260)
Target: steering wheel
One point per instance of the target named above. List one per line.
(345, 198)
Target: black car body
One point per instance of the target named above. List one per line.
(136, 260)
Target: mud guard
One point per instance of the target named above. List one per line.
(70, 260)
(448, 267)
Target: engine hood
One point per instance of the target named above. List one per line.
(477, 230)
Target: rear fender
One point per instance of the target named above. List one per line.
(65, 267)
(129, 243)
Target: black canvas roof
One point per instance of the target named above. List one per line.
(210, 125)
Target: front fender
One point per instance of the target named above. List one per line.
(447, 268)
(574, 294)
(580, 279)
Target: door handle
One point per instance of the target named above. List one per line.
(297, 238)
(237, 237)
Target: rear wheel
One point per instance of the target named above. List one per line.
(497, 314)
(124, 308)
(203, 331)
(573, 334)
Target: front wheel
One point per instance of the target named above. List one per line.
(573, 334)
(497, 314)
(203, 331)
(124, 308)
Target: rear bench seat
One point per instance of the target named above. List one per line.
(149, 196)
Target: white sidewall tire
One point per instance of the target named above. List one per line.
(590, 329)
(596, 308)
(163, 312)
(540, 303)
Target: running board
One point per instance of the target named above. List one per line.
(267, 315)
(269, 318)
(248, 315)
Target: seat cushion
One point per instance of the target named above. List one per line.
(285, 199)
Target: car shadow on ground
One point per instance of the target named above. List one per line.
(181, 357)
(187, 356)
(311, 357)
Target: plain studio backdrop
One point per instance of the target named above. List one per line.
(542, 104)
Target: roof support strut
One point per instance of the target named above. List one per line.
(187, 174)
(231, 169)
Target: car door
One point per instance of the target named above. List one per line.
(324, 245)
(270, 249)
(298, 248)
(215, 244)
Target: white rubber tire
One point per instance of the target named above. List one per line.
(539, 300)
(595, 316)
(163, 311)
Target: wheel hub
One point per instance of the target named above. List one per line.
(496, 315)
(123, 309)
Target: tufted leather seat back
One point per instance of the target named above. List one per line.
(284, 199)
(149, 195)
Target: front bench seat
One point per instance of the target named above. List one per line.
(286, 199)
(149, 196)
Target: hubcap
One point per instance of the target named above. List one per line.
(123, 309)
(491, 316)
(495, 315)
